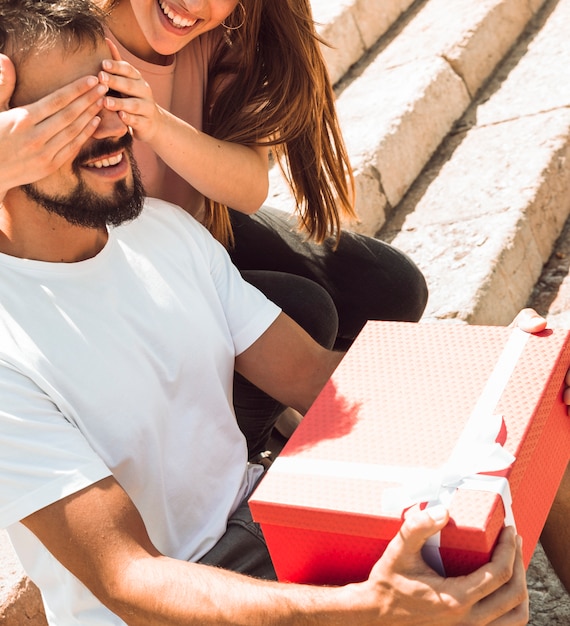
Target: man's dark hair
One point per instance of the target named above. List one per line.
(33, 26)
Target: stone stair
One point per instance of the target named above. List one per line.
(456, 121)
(492, 201)
(456, 115)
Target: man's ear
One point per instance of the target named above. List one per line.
(7, 82)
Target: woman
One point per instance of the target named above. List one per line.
(254, 77)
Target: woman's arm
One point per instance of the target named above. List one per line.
(228, 173)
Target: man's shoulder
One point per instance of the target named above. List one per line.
(164, 207)
(167, 226)
(160, 212)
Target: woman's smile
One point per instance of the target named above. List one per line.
(176, 18)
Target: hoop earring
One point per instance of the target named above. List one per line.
(243, 18)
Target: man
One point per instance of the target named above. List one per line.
(121, 460)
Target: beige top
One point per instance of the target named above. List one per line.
(179, 87)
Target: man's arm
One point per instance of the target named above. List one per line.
(99, 536)
(288, 364)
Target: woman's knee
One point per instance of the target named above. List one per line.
(375, 281)
(306, 302)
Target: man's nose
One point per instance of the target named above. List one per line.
(111, 125)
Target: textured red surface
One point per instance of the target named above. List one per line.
(402, 396)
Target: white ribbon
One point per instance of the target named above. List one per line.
(467, 463)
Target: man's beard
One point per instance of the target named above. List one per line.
(82, 206)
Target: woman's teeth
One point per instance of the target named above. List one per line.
(177, 20)
(114, 160)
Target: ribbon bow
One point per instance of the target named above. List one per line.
(476, 452)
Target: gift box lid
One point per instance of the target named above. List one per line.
(395, 409)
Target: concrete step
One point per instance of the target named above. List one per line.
(402, 99)
(483, 217)
(20, 601)
(352, 27)
(551, 293)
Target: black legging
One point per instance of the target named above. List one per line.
(363, 279)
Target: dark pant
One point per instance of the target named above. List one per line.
(362, 279)
(366, 278)
(242, 548)
(313, 309)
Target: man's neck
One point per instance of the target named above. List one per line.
(33, 233)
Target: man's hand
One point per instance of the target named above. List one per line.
(529, 321)
(36, 139)
(408, 592)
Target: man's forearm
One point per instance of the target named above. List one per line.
(167, 592)
(99, 536)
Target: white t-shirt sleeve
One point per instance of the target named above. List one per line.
(44, 457)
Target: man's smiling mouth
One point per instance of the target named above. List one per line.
(177, 20)
(106, 162)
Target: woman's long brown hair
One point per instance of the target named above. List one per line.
(275, 85)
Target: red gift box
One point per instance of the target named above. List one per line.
(476, 410)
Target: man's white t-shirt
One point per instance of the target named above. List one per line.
(123, 364)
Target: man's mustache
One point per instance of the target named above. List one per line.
(103, 147)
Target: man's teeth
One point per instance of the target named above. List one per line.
(177, 20)
(114, 160)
